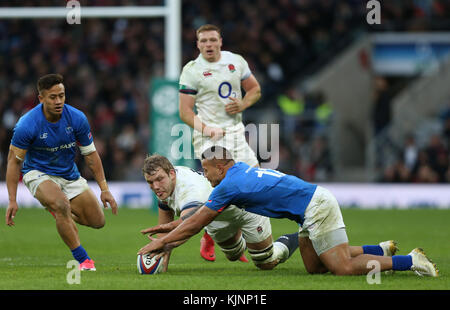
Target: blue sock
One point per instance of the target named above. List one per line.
(401, 262)
(373, 249)
(80, 254)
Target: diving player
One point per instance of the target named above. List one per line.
(323, 240)
(181, 191)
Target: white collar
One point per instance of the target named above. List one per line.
(224, 59)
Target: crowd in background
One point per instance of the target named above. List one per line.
(426, 162)
(108, 65)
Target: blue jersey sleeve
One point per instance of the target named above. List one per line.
(23, 135)
(221, 197)
(83, 130)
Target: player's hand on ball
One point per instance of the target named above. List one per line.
(155, 246)
(235, 106)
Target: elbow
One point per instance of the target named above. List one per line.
(258, 93)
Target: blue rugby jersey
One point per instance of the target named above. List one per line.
(262, 191)
(51, 147)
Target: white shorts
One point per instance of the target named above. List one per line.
(255, 228)
(71, 188)
(233, 140)
(323, 223)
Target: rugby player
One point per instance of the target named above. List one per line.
(323, 241)
(43, 148)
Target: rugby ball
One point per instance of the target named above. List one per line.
(149, 265)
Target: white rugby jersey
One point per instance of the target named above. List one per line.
(192, 189)
(212, 83)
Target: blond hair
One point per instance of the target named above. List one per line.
(155, 161)
(208, 27)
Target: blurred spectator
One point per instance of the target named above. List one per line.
(428, 164)
(108, 64)
(323, 112)
(410, 152)
(292, 105)
(382, 105)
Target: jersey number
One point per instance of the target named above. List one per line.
(274, 173)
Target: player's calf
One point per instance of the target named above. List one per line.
(276, 253)
(234, 251)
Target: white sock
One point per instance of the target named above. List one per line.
(280, 251)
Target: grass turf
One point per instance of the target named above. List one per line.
(33, 257)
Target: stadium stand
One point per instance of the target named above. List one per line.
(109, 63)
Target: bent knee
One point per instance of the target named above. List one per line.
(342, 270)
(316, 270)
(267, 266)
(97, 223)
(59, 206)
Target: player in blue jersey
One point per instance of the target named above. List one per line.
(323, 240)
(43, 148)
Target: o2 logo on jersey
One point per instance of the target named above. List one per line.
(225, 90)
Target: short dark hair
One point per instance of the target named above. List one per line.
(208, 27)
(155, 161)
(217, 153)
(48, 81)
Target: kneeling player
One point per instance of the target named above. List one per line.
(181, 191)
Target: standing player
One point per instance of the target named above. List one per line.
(212, 83)
(181, 191)
(45, 141)
(323, 240)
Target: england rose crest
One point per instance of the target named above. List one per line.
(231, 67)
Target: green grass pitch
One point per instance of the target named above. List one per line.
(33, 257)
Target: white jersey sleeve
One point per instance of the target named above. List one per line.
(188, 83)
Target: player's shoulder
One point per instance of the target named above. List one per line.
(191, 65)
(31, 117)
(72, 110)
(230, 57)
(75, 113)
(188, 175)
(239, 167)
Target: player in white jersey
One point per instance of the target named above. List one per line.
(212, 84)
(181, 191)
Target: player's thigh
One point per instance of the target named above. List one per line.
(255, 228)
(52, 197)
(338, 259)
(88, 209)
(333, 250)
(237, 144)
(309, 256)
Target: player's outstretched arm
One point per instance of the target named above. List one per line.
(94, 163)
(16, 157)
(162, 228)
(185, 230)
